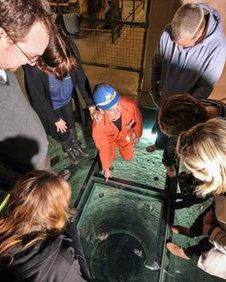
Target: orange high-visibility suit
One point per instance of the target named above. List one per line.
(107, 137)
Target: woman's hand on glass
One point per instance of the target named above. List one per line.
(61, 126)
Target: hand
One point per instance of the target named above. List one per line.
(61, 126)
(95, 114)
(107, 174)
(135, 139)
(209, 217)
(206, 228)
(131, 124)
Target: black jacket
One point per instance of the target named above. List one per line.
(37, 86)
(56, 259)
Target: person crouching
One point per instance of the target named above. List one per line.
(120, 126)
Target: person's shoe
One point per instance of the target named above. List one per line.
(171, 171)
(77, 144)
(178, 229)
(64, 174)
(82, 151)
(73, 155)
(176, 250)
(151, 148)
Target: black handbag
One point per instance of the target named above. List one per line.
(187, 183)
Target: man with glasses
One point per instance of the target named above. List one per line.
(25, 29)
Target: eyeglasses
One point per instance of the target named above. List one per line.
(31, 60)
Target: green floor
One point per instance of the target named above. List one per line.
(143, 169)
(135, 237)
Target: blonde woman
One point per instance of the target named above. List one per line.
(203, 151)
(37, 242)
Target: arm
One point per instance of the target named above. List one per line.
(218, 239)
(156, 72)
(84, 87)
(72, 239)
(210, 76)
(138, 128)
(36, 93)
(81, 79)
(101, 142)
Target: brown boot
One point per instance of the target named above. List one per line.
(178, 229)
(176, 250)
(77, 144)
(151, 148)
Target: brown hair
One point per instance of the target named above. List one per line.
(37, 208)
(203, 151)
(179, 113)
(188, 21)
(59, 57)
(18, 16)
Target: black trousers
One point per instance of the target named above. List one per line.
(167, 144)
(194, 252)
(66, 113)
(169, 152)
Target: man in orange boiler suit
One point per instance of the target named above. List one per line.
(120, 126)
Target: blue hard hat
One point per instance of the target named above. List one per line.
(105, 96)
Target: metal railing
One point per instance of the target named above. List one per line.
(116, 43)
(111, 43)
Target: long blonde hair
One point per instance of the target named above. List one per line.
(203, 149)
(37, 208)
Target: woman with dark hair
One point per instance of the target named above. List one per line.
(51, 85)
(178, 113)
(37, 240)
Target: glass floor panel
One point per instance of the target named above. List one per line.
(145, 168)
(119, 231)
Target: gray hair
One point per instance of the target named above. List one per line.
(188, 20)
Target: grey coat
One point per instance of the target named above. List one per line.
(193, 70)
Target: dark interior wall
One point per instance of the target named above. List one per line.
(161, 12)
